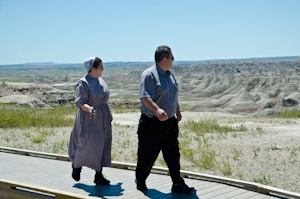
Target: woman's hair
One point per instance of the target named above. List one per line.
(162, 52)
(96, 63)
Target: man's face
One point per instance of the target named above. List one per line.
(170, 60)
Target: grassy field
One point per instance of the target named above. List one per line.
(14, 116)
(26, 117)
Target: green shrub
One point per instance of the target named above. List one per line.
(226, 168)
(237, 153)
(210, 126)
(207, 158)
(263, 179)
(188, 154)
(42, 135)
(287, 114)
(124, 108)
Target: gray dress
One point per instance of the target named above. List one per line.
(90, 141)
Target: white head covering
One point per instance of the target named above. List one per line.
(88, 63)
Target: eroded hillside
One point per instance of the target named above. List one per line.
(245, 87)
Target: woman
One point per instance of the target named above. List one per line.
(90, 141)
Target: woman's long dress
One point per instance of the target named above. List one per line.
(90, 140)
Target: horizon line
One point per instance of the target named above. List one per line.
(205, 60)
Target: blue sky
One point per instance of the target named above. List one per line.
(68, 31)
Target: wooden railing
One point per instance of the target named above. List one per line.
(120, 165)
(17, 190)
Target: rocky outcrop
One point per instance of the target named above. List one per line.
(34, 95)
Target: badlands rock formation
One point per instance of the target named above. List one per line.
(245, 87)
(34, 95)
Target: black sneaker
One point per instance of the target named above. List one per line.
(182, 188)
(76, 173)
(141, 185)
(100, 180)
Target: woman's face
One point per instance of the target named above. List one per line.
(99, 70)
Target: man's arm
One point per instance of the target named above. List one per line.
(151, 105)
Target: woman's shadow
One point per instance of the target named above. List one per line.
(101, 191)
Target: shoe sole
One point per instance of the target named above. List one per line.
(141, 189)
(103, 184)
(189, 192)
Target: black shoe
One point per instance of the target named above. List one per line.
(76, 173)
(100, 180)
(141, 185)
(182, 188)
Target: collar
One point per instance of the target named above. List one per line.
(161, 71)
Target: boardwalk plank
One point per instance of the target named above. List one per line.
(212, 191)
(260, 197)
(232, 194)
(56, 175)
(223, 192)
(245, 195)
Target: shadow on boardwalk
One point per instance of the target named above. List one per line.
(101, 191)
(155, 194)
(116, 190)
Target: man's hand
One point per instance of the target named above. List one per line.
(178, 113)
(178, 116)
(151, 105)
(161, 114)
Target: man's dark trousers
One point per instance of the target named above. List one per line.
(155, 135)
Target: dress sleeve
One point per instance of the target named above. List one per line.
(81, 94)
(147, 86)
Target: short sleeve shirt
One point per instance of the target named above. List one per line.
(161, 87)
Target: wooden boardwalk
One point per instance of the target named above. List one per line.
(53, 179)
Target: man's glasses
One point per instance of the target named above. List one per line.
(170, 57)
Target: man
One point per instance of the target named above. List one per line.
(158, 127)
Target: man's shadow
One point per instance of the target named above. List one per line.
(155, 194)
(101, 190)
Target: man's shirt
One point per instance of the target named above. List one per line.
(162, 88)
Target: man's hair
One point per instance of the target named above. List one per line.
(162, 52)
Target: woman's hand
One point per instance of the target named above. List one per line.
(111, 117)
(91, 113)
(88, 109)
